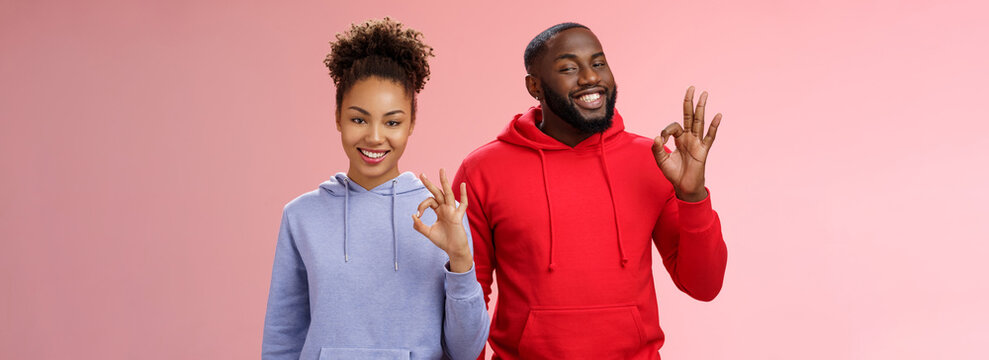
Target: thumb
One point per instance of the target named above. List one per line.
(659, 147)
(420, 226)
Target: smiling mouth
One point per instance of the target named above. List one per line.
(590, 101)
(373, 156)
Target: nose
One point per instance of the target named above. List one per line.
(588, 77)
(374, 136)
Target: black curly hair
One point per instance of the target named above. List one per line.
(380, 48)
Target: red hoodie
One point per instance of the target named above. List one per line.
(568, 231)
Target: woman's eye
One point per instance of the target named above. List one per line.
(392, 123)
(357, 120)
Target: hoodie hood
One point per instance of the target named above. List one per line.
(523, 131)
(342, 186)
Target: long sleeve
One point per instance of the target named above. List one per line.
(287, 319)
(481, 237)
(480, 233)
(688, 236)
(465, 320)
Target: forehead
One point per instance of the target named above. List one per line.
(576, 41)
(377, 93)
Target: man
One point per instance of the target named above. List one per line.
(564, 204)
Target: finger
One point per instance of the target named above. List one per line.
(676, 131)
(428, 203)
(659, 149)
(672, 129)
(432, 188)
(665, 137)
(697, 126)
(447, 190)
(420, 226)
(713, 131)
(462, 208)
(688, 108)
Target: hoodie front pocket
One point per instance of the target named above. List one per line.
(605, 332)
(329, 353)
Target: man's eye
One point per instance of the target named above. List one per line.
(599, 64)
(568, 69)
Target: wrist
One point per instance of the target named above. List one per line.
(693, 196)
(461, 263)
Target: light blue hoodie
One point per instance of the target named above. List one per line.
(353, 280)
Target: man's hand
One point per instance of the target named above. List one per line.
(684, 167)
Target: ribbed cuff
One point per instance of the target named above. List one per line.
(461, 285)
(696, 216)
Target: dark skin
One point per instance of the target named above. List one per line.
(573, 61)
(574, 65)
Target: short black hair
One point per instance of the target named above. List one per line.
(538, 44)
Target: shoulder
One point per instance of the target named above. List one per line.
(494, 153)
(305, 202)
(638, 145)
(637, 140)
(494, 148)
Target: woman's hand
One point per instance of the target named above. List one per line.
(447, 233)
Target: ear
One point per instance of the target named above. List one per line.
(534, 86)
(412, 125)
(338, 121)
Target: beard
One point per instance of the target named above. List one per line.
(565, 108)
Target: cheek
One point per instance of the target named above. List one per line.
(349, 137)
(399, 139)
(563, 87)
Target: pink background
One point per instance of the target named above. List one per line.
(148, 148)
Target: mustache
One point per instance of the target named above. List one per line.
(607, 91)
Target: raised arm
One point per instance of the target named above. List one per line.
(465, 318)
(688, 233)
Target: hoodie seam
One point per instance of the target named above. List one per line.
(471, 188)
(291, 239)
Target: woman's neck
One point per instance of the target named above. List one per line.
(369, 183)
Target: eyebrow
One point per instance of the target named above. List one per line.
(362, 111)
(365, 112)
(572, 56)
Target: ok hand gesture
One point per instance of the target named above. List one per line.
(447, 233)
(684, 167)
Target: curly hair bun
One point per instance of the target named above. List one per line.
(379, 48)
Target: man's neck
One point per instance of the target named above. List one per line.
(558, 129)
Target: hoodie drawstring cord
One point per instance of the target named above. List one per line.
(614, 206)
(346, 220)
(394, 232)
(549, 207)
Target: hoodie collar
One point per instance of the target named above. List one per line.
(403, 183)
(524, 131)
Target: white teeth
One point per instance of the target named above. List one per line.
(590, 97)
(373, 155)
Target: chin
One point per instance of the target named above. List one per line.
(373, 172)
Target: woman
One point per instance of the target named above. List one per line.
(354, 276)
